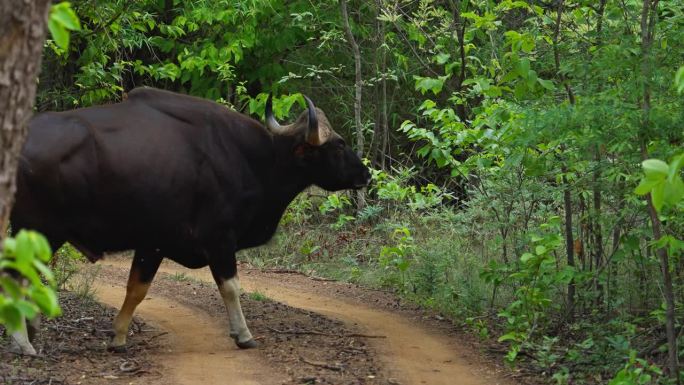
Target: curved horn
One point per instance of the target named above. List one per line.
(312, 133)
(271, 122)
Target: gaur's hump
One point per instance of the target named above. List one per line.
(155, 96)
(187, 108)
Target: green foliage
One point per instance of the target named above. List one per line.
(180, 277)
(637, 371)
(334, 202)
(679, 80)
(505, 114)
(65, 265)
(337, 202)
(663, 181)
(399, 255)
(26, 254)
(62, 19)
(258, 296)
(535, 276)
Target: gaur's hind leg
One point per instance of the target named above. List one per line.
(143, 269)
(224, 271)
(20, 341)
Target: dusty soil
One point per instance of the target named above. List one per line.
(310, 332)
(334, 356)
(423, 346)
(417, 348)
(72, 350)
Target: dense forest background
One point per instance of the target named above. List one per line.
(506, 139)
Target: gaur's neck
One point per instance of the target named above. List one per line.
(287, 179)
(281, 185)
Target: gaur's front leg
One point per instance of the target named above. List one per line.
(224, 270)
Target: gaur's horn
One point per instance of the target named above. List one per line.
(312, 134)
(271, 122)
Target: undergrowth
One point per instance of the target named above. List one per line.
(447, 256)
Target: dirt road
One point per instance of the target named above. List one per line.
(410, 354)
(199, 352)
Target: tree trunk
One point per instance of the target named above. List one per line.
(556, 52)
(384, 133)
(648, 20)
(361, 202)
(596, 224)
(22, 33)
(567, 197)
(569, 245)
(379, 142)
(460, 26)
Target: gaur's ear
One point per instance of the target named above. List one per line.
(303, 149)
(299, 150)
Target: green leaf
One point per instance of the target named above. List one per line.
(512, 336)
(655, 168)
(540, 249)
(26, 308)
(62, 19)
(40, 245)
(645, 186)
(10, 316)
(45, 271)
(9, 245)
(524, 67)
(64, 15)
(548, 84)
(520, 89)
(673, 192)
(442, 58)
(46, 300)
(657, 195)
(11, 287)
(679, 80)
(425, 84)
(675, 166)
(24, 249)
(59, 34)
(512, 75)
(566, 275)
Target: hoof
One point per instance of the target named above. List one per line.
(249, 344)
(117, 349)
(23, 351)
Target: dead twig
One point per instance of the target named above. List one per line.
(322, 279)
(82, 319)
(283, 271)
(157, 335)
(129, 366)
(324, 365)
(292, 271)
(317, 333)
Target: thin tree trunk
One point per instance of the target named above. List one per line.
(648, 20)
(460, 26)
(22, 33)
(357, 94)
(377, 150)
(567, 197)
(384, 129)
(596, 225)
(556, 52)
(569, 244)
(598, 231)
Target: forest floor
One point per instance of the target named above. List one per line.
(310, 331)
